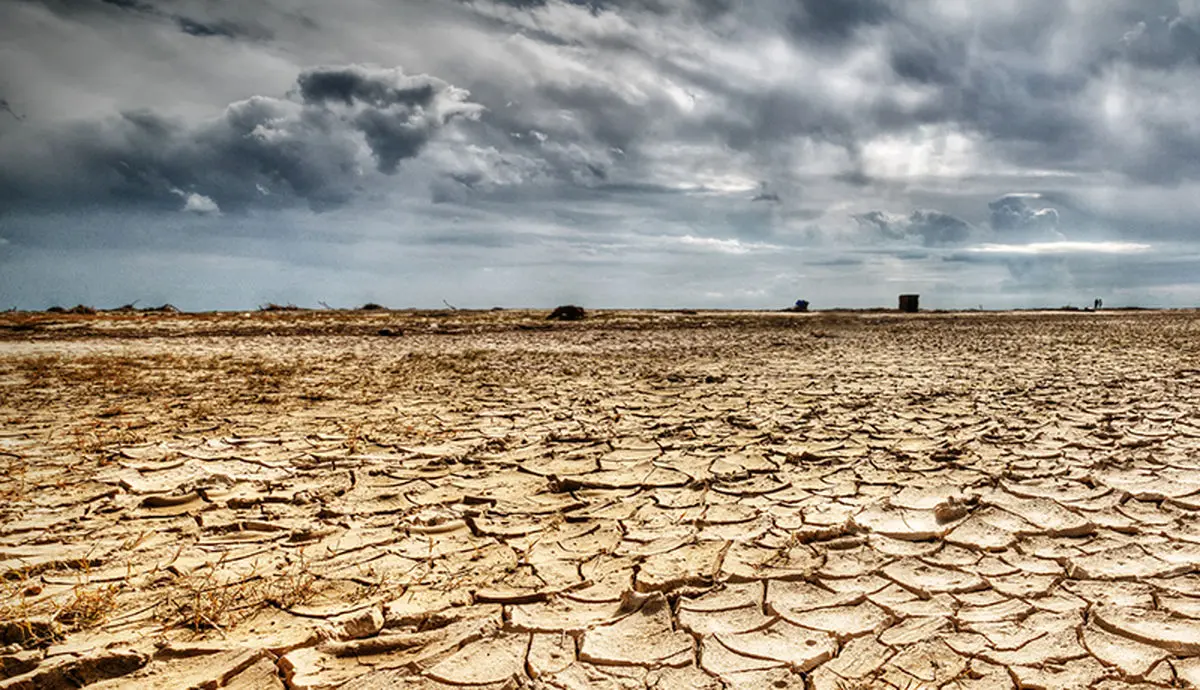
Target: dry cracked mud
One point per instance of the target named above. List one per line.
(637, 500)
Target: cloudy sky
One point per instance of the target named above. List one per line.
(615, 153)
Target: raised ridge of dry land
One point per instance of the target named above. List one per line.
(636, 500)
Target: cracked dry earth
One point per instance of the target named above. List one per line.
(639, 500)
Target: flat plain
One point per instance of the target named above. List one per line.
(321, 499)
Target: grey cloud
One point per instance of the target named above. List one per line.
(931, 228)
(594, 120)
(262, 151)
(1164, 41)
(523, 4)
(378, 88)
(139, 158)
(529, 4)
(391, 139)
(1013, 214)
(396, 113)
(223, 29)
(923, 56)
(765, 194)
(823, 20)
(817, 20)
(743, 116)
(6, 107)
(1077, 278)
(191, 24)
(707, 8)
(1020, 80)
(1043, 111)
(838, 262)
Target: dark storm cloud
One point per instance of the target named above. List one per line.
(262, 151)
(355, 83)
(394, 121)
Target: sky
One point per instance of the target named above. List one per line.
(610, 153)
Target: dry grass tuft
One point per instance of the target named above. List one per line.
(205, 603)
(293, 587)
(20, 622)
(88, 607)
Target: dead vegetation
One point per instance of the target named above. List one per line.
(271, 306)
(87, 606)
(206, 602)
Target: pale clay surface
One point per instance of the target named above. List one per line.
(638, 500)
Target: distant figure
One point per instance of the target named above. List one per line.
(1098, 304)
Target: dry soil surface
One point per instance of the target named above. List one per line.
(636, 500)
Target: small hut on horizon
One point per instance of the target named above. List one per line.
(910, 304)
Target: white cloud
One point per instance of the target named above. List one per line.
(1065, 247)
(722, 246)
(198, 203)
(937, 151)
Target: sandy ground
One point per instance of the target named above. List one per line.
(640, 499)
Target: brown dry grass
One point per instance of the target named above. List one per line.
(88, 607)
(207, 601)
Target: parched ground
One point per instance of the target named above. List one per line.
(641, 499)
